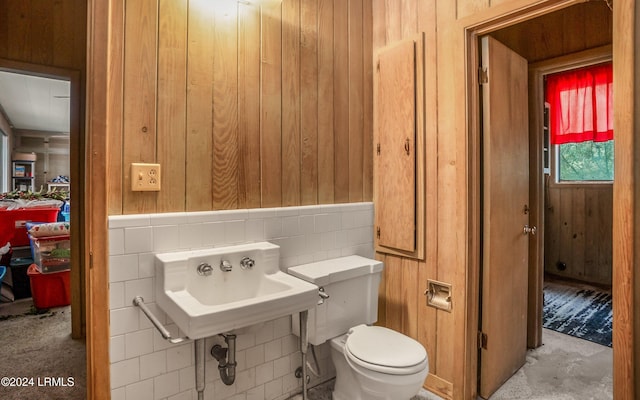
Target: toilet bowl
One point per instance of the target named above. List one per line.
(371, 362)
(376, 363)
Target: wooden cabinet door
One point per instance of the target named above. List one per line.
(505, 187)
(398, 138)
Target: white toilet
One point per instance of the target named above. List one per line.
(371, 362)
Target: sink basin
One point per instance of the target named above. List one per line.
(206, 305)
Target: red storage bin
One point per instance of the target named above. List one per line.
(13, 223)
(49, 290)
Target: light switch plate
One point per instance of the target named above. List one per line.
(145, 177)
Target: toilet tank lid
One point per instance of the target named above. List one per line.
(336, 269)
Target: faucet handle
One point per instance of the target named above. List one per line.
(247, 263)
(204, 269)
(225, 266)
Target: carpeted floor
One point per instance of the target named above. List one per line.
(578, 310)
(37, 352)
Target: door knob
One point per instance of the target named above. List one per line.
(530, 230)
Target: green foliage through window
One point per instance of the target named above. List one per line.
(586, 161)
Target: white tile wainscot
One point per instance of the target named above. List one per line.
(144, 366)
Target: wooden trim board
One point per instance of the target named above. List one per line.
(95, 212)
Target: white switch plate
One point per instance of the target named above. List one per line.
(145, 177)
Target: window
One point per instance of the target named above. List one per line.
(585, 161)
(581, 123)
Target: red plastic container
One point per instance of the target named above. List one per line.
(13, 223)
(49, 290)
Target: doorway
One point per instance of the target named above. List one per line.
(55, 156)
(525, 38)
(577, 206)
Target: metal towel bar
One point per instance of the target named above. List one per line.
(138, 301)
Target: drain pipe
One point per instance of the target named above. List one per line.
(226, 359)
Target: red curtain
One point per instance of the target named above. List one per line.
(581, 105)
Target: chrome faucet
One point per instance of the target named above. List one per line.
(205, 269)
(225, 266)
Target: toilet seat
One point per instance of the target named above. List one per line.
(383, 350)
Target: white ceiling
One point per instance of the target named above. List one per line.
(35, 103)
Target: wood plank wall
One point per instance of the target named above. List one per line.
(402, 302)
(184, 78)
(578, 233)
(44, 32)
(245, 105)
(402, 305)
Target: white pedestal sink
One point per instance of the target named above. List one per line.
(212, 291)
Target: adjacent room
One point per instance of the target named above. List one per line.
(35, 208)
(578, 207)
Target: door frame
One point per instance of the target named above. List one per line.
(474, 27)
(76, 160)
(99, 99)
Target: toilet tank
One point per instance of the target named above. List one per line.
(352, 285)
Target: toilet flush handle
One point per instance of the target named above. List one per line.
(323, 295)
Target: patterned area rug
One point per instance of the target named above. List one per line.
(578, 310)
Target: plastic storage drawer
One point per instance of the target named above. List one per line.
(51, 253)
